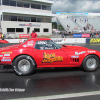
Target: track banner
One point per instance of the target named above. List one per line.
(92, 40)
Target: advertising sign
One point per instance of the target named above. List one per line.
(77, 35)
(72, 13)
(93, 40)
(85, 35)
(24, 35)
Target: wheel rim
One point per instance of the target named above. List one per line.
(91, 63)
(24, 65)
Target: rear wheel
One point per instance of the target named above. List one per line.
(90, 63)
(24, 65)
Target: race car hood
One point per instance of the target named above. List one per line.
(74, 47)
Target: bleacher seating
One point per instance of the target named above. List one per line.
(79, 23)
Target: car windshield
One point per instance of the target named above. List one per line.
(56, 44)
(46, 45)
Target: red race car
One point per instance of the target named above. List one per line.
(43, 52)
(3, 41)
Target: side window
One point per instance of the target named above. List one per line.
(45, 45)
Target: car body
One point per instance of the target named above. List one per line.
(3, 41)
(44, 53)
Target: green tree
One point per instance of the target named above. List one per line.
(60, 27)
(54, 25)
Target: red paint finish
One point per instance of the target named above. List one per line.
(4, 41)
(65, 56)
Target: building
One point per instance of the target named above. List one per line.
(23, 16)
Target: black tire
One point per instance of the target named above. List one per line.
(24, 65)
(90, 63)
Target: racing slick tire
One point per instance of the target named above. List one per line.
(90, 63)
(24, 65)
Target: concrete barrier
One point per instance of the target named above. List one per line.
(57, 40)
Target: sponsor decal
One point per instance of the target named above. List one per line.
(47, 48)
(1, 55)
(49, 58)
(5, 59)
(6, 52)
(30, 43)
(78, 53)
(74, 56)
(42, 42)
(24, 45)
(95, 40)
(91, 51)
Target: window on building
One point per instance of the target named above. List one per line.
(26, 5)
(48, 20)
(45, 30)
(12, 3)
(19, 30)
(38, 19)
(33, 19)
(20, 4)
(48, 7)
(37, 29)
(38, 6)
(44, 20)
(20, 18)
(10, 29)
(13, 18)
(5, 2)
(26, 19)
(35, 6)
(6, 18)
(0, 2)
(44, 7)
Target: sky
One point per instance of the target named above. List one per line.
(90, 6)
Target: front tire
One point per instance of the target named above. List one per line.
(24, 65)
(90, 63)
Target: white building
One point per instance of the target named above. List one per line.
(23, 16)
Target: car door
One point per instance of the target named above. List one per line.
(47, 53)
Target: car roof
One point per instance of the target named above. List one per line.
(37, 39)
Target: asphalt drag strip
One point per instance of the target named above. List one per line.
(62, 96)
(51, 83)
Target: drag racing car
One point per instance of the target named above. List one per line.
(44, 53)
(3, 41)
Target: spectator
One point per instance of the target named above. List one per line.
(2, 36)
(33, 34)
(75, 20)
(66, 34)
(85, 20)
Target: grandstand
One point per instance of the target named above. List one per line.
(83, 22)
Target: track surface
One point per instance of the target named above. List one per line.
(51, 81)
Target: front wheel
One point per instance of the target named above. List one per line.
(90, 63)
(24, 65)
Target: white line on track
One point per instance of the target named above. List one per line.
(61, 96)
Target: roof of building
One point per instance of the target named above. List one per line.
(45, 1)
(27, 12)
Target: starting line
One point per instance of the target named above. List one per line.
(61, 96)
